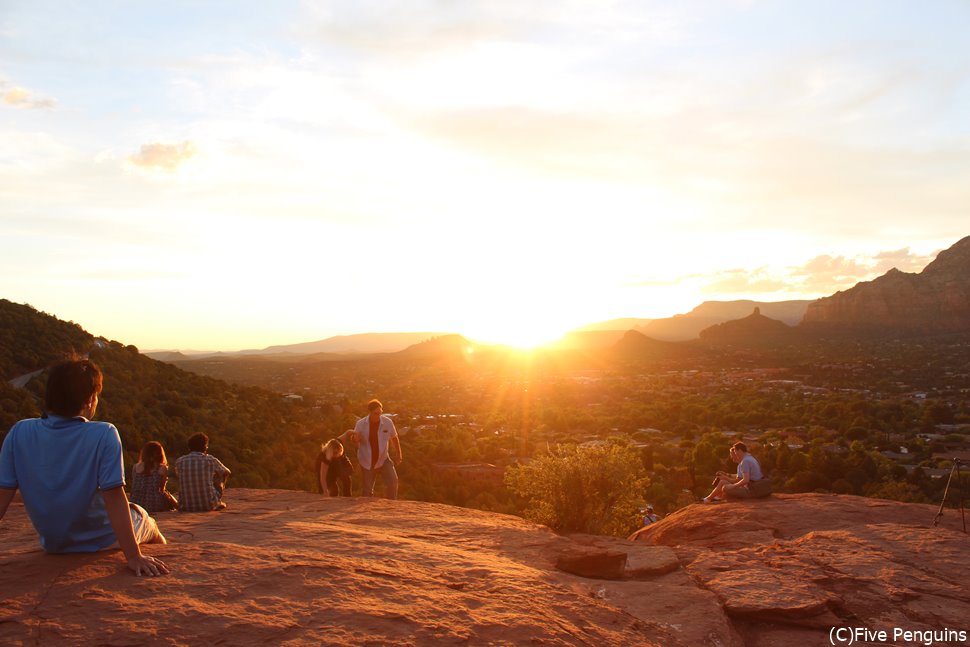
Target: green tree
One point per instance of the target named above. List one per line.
(595, 490)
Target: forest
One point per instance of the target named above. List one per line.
(494, 429)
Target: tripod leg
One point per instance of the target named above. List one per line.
(946, 491)
(960, 485)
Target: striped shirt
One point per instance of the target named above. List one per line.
(196, 490)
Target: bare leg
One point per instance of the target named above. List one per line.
(718, 491)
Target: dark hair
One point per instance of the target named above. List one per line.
(739, 446)
(152, 455)
(70, 386)
(198, 442)
(374, 405)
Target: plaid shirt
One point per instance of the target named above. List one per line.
(196, 490)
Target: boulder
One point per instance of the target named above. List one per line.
(592, 562)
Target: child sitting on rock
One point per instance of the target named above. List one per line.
(148, 479)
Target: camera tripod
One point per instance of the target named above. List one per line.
(954, 470)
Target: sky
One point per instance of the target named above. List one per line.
(229, 175)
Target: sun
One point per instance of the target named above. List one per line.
(517, 334)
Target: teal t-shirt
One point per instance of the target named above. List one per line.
(61, 466)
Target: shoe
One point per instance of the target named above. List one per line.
(712, 499)
(220, 506)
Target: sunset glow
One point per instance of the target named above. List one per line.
(228, 176)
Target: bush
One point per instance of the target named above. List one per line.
(595, 490)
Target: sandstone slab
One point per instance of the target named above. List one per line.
(593, 562)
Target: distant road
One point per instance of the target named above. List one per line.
(21, 382)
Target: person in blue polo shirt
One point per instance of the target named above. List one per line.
(70, 474)
(748, 483)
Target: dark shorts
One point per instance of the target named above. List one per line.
(754, 490)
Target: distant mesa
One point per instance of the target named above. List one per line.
(359, 344)
(168, 356)
(688, 326)
(936, 300)
(710, 313)
(390, 342)
(440, 346)
(753, 330)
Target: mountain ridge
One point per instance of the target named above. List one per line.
(933, 301)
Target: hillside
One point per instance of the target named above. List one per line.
(359, 344)
(265, 440)
(635, 346)
(936, 300)
(379, 342)
(289, 567)
(30, 339)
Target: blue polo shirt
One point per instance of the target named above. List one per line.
(61, 465)
(750, 466)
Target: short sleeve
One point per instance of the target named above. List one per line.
(111, 470)
(219, 466)
(8, 471)
(393, 428)
(744, 469)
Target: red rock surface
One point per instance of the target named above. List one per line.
(292, 568)
(790, 567)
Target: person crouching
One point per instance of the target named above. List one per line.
(334, 469)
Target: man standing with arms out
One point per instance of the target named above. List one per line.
(71, 476)
(202, 478)
(375, 434)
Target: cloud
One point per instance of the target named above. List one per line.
(165, 157)
(389, 36)
(822, 275)
(741, 281)
(19, 97)
(831, 273)
(726, 158)
(130, 275)
(903, 260)
(653, 283)
(429, 27)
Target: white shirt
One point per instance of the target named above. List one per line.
(385, 432)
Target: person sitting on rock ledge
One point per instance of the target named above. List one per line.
(649, 516)
(748, 483)
(71, 476)
(202, 477)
